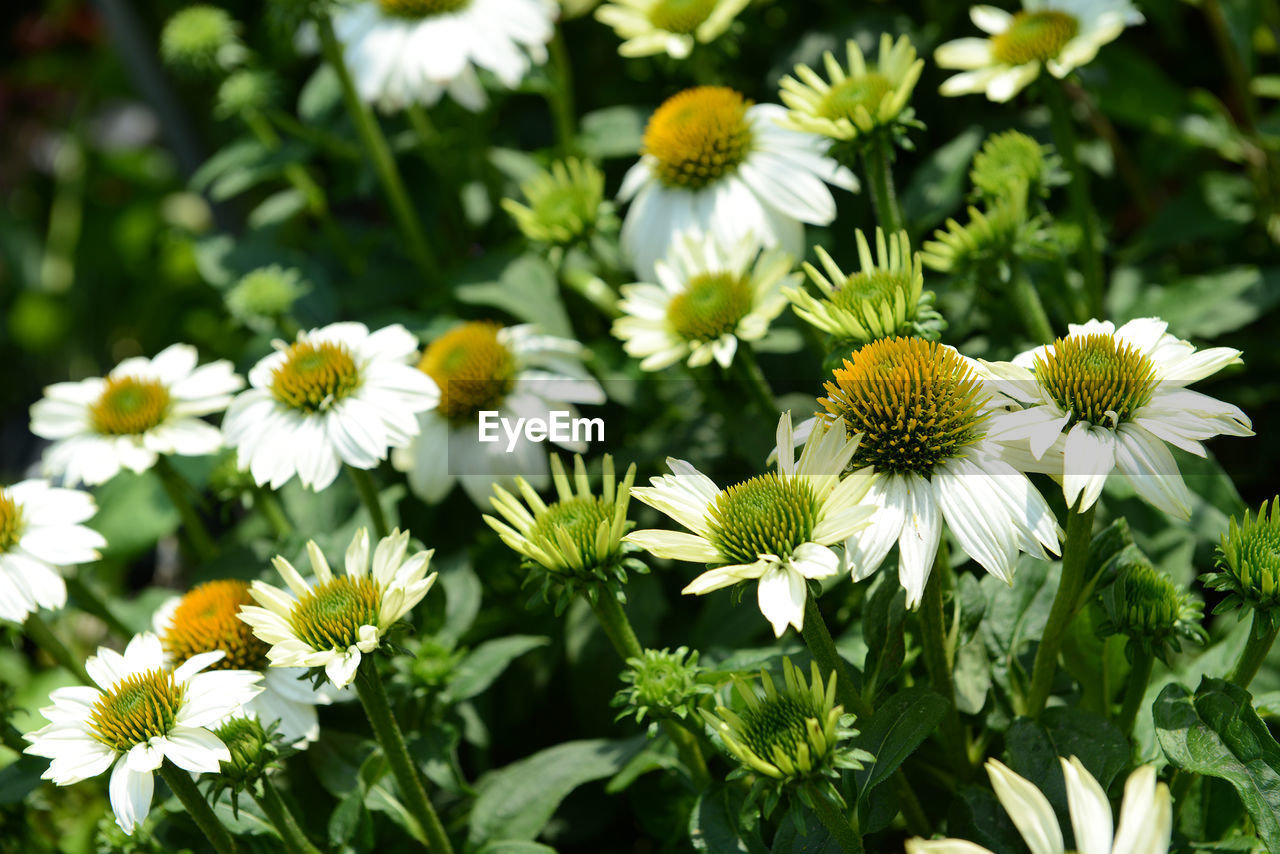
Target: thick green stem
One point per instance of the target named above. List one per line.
(373, 696)
(41, 634)
(379, 151)
(93, 602)
(266, 503)
(1254, 653)
(841, 826)
(823, 649)
(878, 166)
(748, 368)
(1139, 676)
(560, 96)
(282, 818)
(1064, 136)
(1027, 299)
(369, 495)
(177, 488)
(1075, 559)
(938, 662)
(197, 807)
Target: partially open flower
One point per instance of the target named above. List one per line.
(1012, 162)
(264, 295)
(563, 203)
(661, 685)
(1248, 567)
(1001, 230)
(672, 27)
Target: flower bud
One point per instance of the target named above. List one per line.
(661, 685)
(201, 39)
(1248, 566)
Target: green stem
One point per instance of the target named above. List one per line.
(745, 364)
(1075, 559)
(41, 634)
(266, 503)
(1027, 299)
(1064, 135)
(379, 151)
(1254, 653)
(282, 818)
(823, 649)
(197, 807)
(877, 160)
(177, 488)
(93, 602)
(841, 826)
(560, 96)
(938, 662)
(1139, 676)
(369, 495)
(373, 696)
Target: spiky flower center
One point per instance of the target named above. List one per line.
(315, 375)
(844, 99)
(871, 288)
(915, 402)
(766, 515)
(10, 521)
(1097, 378)
(1152, 602)
(780, 723)
(207, 619)
(1034, 37)
(663, 680)
(713, 304)
(330, 616)
(681, 16)
(1250, 554)
(576, 520)
(420, 8)
(139, 708)
(698, 136)
(129, 406)
(472, 367)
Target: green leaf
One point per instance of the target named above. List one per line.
(462, 594)
(350, 818)
(882, 622)
(133, 512)
(814, 839)
(937, 186)
(517, 801)
(321, 95)
(486, 662)
(516, 846)
(1210, 305)
(1216, 733)
(278, 208)
(713, 823)
(894, 732)
(527, 289)
(613, 132)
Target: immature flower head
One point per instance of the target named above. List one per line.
(882, 299)
(661, 685)
(253, 754)
(1146, 606)
(672, 27)
(999, 231)
(563, 203)
(1012, 162)
(264, 295)
(201, 38)
(1248, 565)
(858, 98)
(247, 90)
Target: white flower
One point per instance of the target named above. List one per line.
(334, 620)
(510, 372)
(142, 409)
(206, 619)
(1146, 815)
(338, 394)
(1060, 35)
(923, 412)
(140, 714)
(706, 300)
(672, 27)
(716, 163)
(1105, 399)
(776, 528)
(404, 52)
(40, 530)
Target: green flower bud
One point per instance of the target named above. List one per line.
(1002, 230)
(253, 753)
(565, 203)
(662, 685)
(1248, 566)
(264, 295)
(1147, 607)
(1011, 164)
(246, 90)
(201, 39)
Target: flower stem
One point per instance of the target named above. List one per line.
(266, 503)
(177, 488)
(823, 649)
(1139, 676)
(1075, 557)
(1027, 299)
(1254, 653)
(91, 601)
(748, 368)
(938, 661)
(373, 696)
(1064, 136)
(838, 824)
(41, 634)
(197, 807)
(380, 153)
(560, 96)
(282, 818)
(877, 166)
(369, 495)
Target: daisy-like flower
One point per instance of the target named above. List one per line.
(1060, 35)
(775, 529)
(924, 412)
(206, 619)
(886, 297)
(140, 714)
(1105, 399)
(673, 27)
(40, 530)
(1146, 815)
(717, 163)
(338, 394)
(142, 409)
(404, 52)
(858, 99)
(505, 372)
(333, 621)
(706, 300)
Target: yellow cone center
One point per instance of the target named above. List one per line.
(330, 616)
(712, 305)
(10, 522)
(314, 376)
(420, 8)
(866, 91)
(681, 16)
(1096, 378)
(698, 136)
(473, 369)
(1034, 37)
(129, 406)
(766, 515)
(206, 619)
(136, 710)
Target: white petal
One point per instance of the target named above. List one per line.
(1028, 808)
(1090, 809)
(130, 795)
(781, 595)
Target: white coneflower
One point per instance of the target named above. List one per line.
(142, 409)
(775, 529)
(672, 27)
(706, 300)
(1104, 399)
(715, 162)
(338, 394)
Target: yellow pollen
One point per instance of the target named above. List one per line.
(698, 136)
(712, 305)
(681, 16)
(420, 8)
(1034, 37)
(314, 376)
(473, 369)
(10, 522)
(1096, 378)
(330, 616)
(206, 619)
(137, 709)
(866, 91)
(129, 406)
